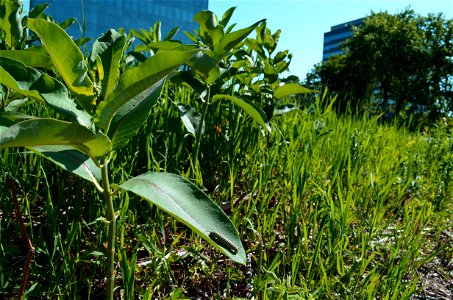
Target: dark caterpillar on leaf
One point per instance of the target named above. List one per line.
(224, 242)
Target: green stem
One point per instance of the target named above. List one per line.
(111, 231)
(195, 164)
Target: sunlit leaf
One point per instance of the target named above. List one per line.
(192, 37)
(227, 16)
(13, 115)
(210, 30)
(131, 116)
(57, 97)
(140, 82)
(31, 83)
(31, 57)
(190, 118)
(290, 89)
(232, 39)
(164, 45)
(109, 47)
(250, 108)
(39, 132)
(187, 203)
(67, 58)
(66, 23)
(19, 77)
(171, 34)
(204, 65)
(35, 11)
(10, 22)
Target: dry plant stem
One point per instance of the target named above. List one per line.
(31, 249)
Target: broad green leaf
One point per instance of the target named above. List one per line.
(187, 203)
(250, 108)
(19, 77)
(13, 115)
(131, 116)
(280, 56)
(164, 45)
(171, 34)
(29, 57)
(66, 23)
(192, 37)
(230, 28)
(37, 10)
(10, 21)
(139, 82)
(227, 16)
(203, 64)
(271, 40)
(269, 70)
(194, 83)
(17, 104)
(40, 132)
(141, 48)
(82, 41)
(141, 35)
(190, 118)
(109, 47)
(72, 160)
(67, 58)
(57, 97)
(282, 66)
(257, 47)
(290, 89)
(210, 30)
(31, 83)
(231, 40)
(156, 32)
(97, 64)
(214, 74)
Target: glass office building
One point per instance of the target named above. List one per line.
(101, 15)
(336, 35)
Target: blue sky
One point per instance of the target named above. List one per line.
(303, 22)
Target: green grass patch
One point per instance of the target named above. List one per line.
(327, 207)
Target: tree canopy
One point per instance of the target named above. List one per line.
(400, 64)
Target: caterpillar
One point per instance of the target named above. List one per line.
(224, 242)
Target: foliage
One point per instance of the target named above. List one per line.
(230, 69)
(395, 63)
(334, 207)
(103, 108)
(327, 206)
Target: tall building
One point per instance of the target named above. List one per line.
(336, 35)
(102, 15)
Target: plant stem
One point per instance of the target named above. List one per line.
(195, 163)
(111, 231)
(31, 249)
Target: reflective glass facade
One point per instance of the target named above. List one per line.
(101, 15)
(336, 35)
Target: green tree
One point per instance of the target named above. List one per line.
(398, 63)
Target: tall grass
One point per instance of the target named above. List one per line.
(329, 207)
